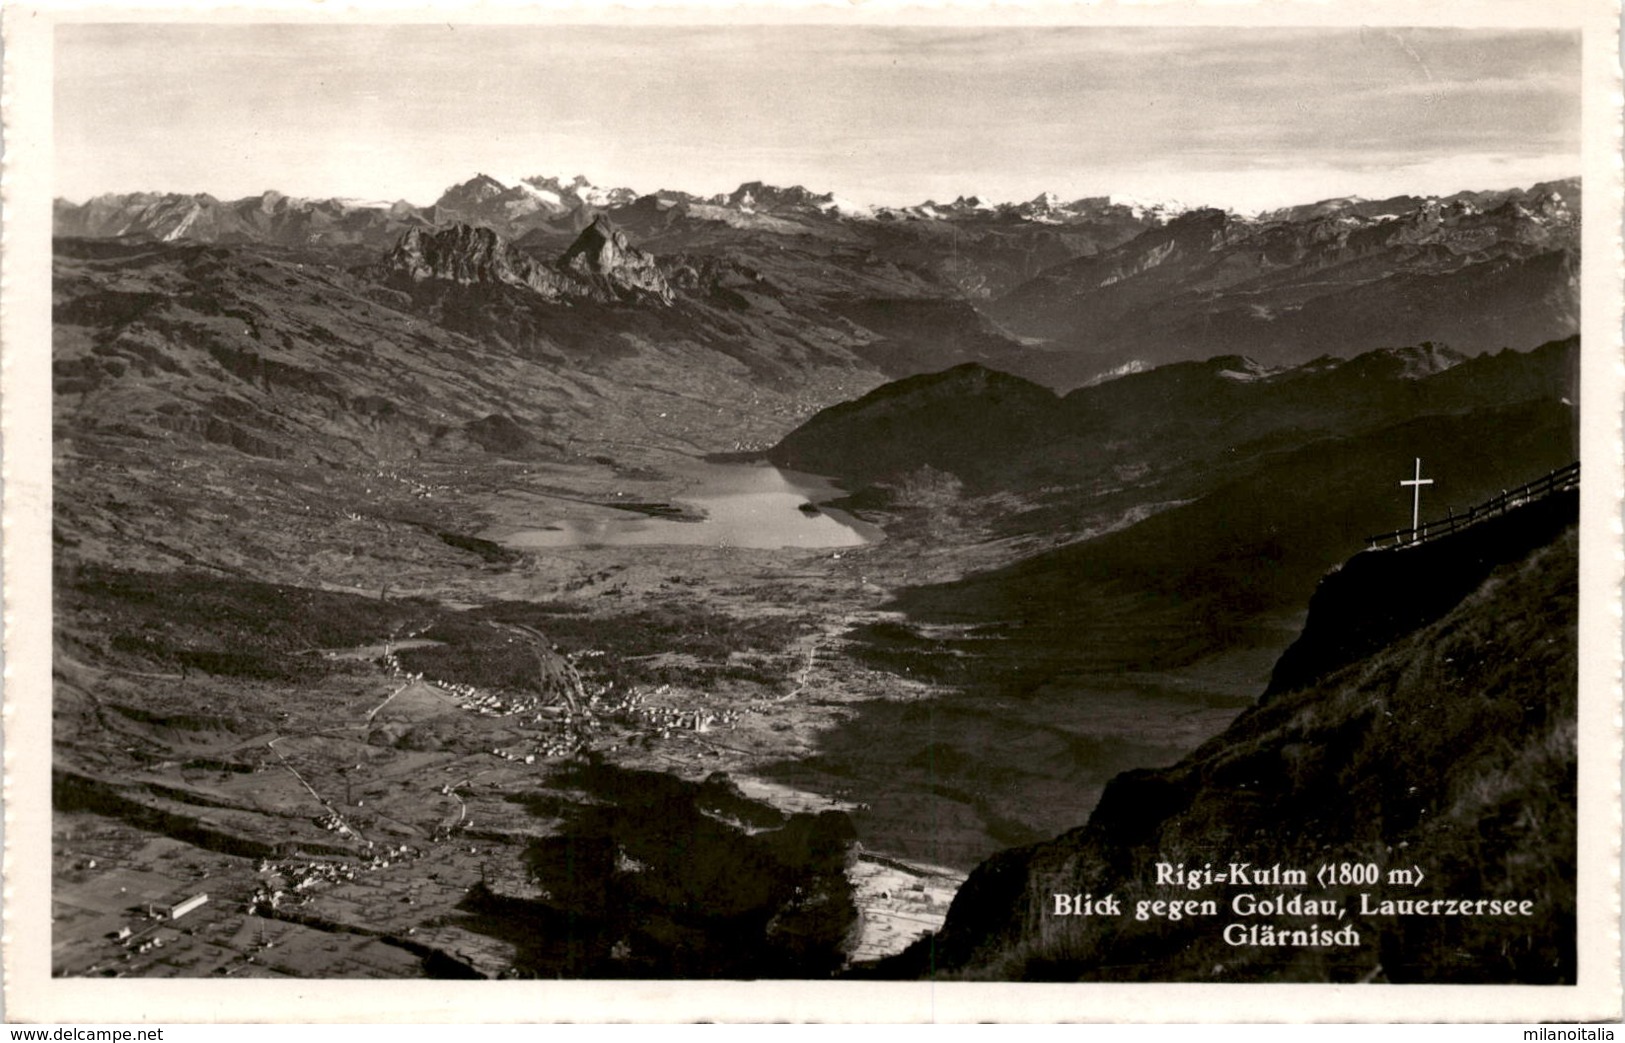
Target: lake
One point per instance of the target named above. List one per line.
(744, 505)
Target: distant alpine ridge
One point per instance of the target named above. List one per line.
(513, 209)
(531, 201)
(1065, 293)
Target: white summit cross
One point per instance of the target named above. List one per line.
(1416, 499)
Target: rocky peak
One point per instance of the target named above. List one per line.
(602, 255)
(558, 182)
(600, 265)
(1553, 207)
(479, 189)
(1238, 369)
(578, 191)
(460, 253)
(1413, 362)
(1203, 228)
(600, 248)
(755, 195)
(468, 255)
(1429, 214)
(1044, 208)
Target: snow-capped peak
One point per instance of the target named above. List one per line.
(364, 204)
(1142, 207)
(545, 195)
(563, 189)
(845, 207)
(484, 186)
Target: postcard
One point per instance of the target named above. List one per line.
(806, 512)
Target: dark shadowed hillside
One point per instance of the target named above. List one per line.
(1205, 497)
(1448, 753)
(1161, 535)
(969, 420)
(1151, 428)
(1197, 575)
(1353, 612)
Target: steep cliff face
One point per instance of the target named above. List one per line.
(467, 256)
(1354, 611)
(600, 265)
(1437, 765)
(604, 258)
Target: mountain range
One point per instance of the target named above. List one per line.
(537, 201)
(1210, 496)
(1148, 542)
(1060, 292)
(1473, 272)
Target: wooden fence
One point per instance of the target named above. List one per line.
(1559, 480)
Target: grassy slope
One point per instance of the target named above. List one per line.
(1453, 749)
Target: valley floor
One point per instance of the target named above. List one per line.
(357, 799)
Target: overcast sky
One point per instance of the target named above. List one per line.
(1234, 117)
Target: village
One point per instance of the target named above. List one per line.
(359, 844)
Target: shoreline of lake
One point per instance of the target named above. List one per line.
(747, 505)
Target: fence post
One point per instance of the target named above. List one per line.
(1553, 481)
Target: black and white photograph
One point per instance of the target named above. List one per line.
(755, 498)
